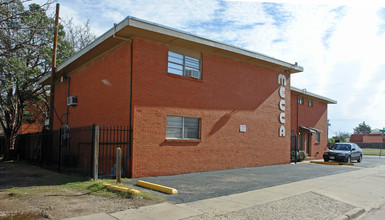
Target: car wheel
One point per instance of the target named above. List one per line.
(359, 159)
(349, 159)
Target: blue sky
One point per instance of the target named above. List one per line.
(340, 44)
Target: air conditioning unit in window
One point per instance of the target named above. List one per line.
(192, 73)
(72, 101)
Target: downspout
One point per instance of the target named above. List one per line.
(130, 113)
(68, 95)
(296, 147)
(130, 110)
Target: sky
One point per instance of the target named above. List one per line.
(340, 43)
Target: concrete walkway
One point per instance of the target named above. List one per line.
(339, 196)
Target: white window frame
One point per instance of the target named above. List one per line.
(183, 128)
(183, 65)
(300, 100)
(318, 137)
(310, 103)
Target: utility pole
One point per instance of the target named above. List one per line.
(53, 72)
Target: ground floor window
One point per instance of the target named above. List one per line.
(318, 137)
(179, 127)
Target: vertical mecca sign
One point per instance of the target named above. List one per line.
(282, 102)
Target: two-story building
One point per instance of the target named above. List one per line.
(193, 104)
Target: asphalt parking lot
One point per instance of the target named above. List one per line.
(204, 185)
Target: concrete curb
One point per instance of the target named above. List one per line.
(352, 214)
(122, 189)
(332, 163)
(156, 187)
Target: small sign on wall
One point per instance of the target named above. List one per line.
(242, 128)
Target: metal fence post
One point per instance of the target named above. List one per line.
(382, 138)
(118, 165)
(95, 151)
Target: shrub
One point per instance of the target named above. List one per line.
(301, 156)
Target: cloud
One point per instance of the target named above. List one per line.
(172, 13)
(340, 45)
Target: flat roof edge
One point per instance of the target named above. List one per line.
(154, 27)
(305, 92)
(150, 26)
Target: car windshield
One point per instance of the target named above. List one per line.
(341, 147)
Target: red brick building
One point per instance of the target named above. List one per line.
(367, 138)
(193, 104)
(309, 121)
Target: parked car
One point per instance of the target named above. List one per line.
(345, 152)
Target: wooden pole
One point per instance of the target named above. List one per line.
(118, 165)
(53, 72)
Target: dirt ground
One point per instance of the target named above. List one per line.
(51, 201)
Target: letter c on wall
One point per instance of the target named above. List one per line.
(282, 92)
(282, 117)
(282, 105)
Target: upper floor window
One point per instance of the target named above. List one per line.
(179, 127)
(300, 100)
(183, 65)
(310, 103)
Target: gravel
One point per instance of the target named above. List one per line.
(308, 205)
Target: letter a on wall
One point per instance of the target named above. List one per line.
(282, 131)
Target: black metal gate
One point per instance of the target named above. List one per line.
(76, 150)
(111, 138)
(293, 148)
(71, 150)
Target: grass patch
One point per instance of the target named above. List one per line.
(376, 152)
(23, 192)
(97, 188)
(82, 185)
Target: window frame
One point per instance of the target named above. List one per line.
(300, 100)
(310, 103)
(183, 128)
(185, 63)
(318, 137)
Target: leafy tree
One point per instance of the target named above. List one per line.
(341, 136)
(362, 129)
(26, 38)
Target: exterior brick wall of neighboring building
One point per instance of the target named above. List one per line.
(366, 138)
(372, 139)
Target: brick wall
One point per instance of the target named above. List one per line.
(311, 116)
(102, 88)
(231, 93)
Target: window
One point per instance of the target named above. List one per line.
(318, 137)
(184, 65)
(300, 100)
(182, 127)
(310, 103)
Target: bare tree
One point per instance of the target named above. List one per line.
(79, 36)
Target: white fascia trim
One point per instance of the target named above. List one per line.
(305, 92)
(150, 26)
